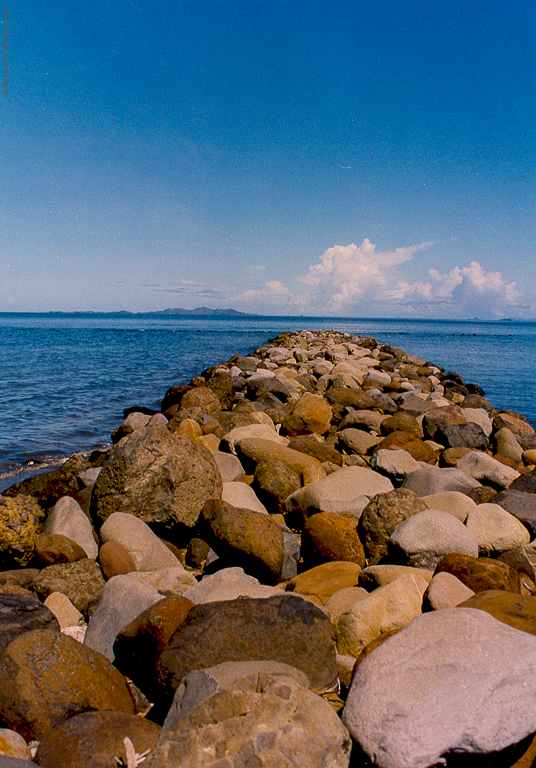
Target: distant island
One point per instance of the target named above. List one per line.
(206, 311)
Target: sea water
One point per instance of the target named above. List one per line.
(65, 380)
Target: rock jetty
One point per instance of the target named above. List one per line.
(319, 554)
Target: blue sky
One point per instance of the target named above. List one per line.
(365, 158)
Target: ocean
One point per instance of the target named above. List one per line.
(65, 379)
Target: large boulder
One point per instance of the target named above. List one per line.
(311, 413)
(45, 677)
(160, 477)
(423, 539)
(406, 712)
(283, 628)
(496, 530)
(429, 480)
(480, 573)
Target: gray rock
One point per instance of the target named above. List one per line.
(405, 711)
(22, 613)
(158, 476)
(520, 504)
(146, 549)
(123, 598)
(291, 554)
(423, 539)
(67, 518)
(481, 466)
(396, 464)
(229, 466)
(496, 530)
(382, 515)
(428, 480)
(228, 584)
(469, 435)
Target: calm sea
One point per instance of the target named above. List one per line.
(65, 380)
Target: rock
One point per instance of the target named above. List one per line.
(253, 450)
(429, 480)
(346, 491)
(53, 548)
(517, 424)
(481, 466)
(379, 575)
(20, 525)
(274, 482)
(229, 466)
(518, 611)
(480, 573)
(454, 502)
(68, 519)
(320, 450)
(525, 483)
(264, 718)
(46, 676)
(521, 505)
(20, 614)
(13, 745)
(357, 441)
(324, 580)
(310, 414)
(243, 496)
(133, 421)
(282, 628)
(463, 712)
(158, 476)
(228, 584)
(367, 420)
(507, 445)
(328, 536)
(123, 598)
(342, 600)
(445, 591)
(82, 582)
(291, 553)
(496, 530)
(424, 538)
(386, 610)
(382, 515)
(139, 644)
(402, 422)
(95, 739)
(115, 559)
(201, 397)
(147, 551)
(15, 762)
(468, 435)
(396, 464)
(65, 612)
(256, 431)
(250, 540)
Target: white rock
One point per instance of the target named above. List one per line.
(453, 680)
(229, 466)
(243, 496)
(496, 530)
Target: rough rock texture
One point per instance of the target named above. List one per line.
(158, 476)
(21, 522)
(311, 413)
(95, 740)
(81, 581)
(382, 515)
(405, 711)
(284, 628)
(263, 719)
(328, 536)
(46, 677)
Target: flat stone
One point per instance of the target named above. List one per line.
(229, 466)
(324, 580)
(357, 440)
(465, 711)
(228, 584)
(243, 496)
(256, 449)
(445, 591)
(454, 502)
(65, 612)
(379, 575)
(396, 464)
(423, 539)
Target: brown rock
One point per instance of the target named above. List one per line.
(415, 447)
(442, 417)
(274, 482)
(21, 522)
(201, 397)
(353, 398)
(282, 628)
(250, 540)
(319, 450)
(402, 422)
(324, 580)
(450, 456)
(48, 487)
(55, 548)
(382, 515)
(95, 740)
(158, 476)
(328, 536)
(45, 677)
(310, 414)
(517, 611)
(115, 559)
(480, 573)
(13, 745)
(82, 582)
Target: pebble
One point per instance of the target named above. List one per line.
(341, 507)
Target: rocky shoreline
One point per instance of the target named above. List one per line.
(319, 554)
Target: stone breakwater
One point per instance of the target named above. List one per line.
(321, 554)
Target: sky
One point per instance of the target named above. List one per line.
(356, 158)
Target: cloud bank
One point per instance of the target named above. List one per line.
(357, 280)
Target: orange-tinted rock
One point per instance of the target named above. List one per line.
(413, 445)
(54, 548)
(328, 536)
(480, 573)
(115, 559)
